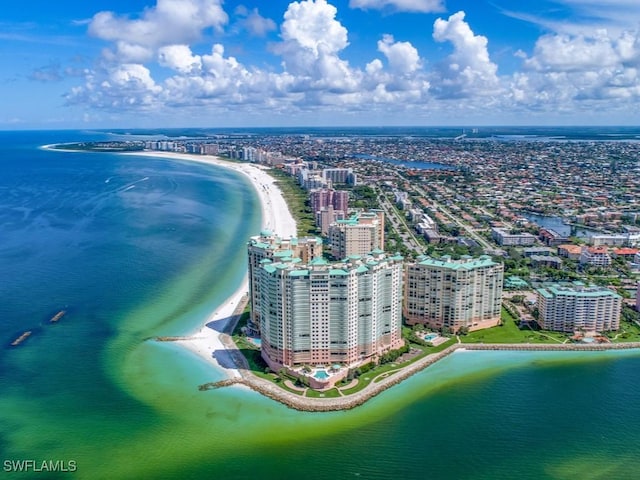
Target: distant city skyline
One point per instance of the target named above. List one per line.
(214, 63)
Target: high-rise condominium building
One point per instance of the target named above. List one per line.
(578, 307)
(453, 293)
(338, 199)
(326, 313)
(271, 247)
(359, 234)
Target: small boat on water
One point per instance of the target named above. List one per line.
(21, 338)
(58, 316)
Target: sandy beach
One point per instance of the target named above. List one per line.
(205, 342)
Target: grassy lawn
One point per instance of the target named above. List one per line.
(629, 332)
(333, 393)
(368, 377)
(509, 332)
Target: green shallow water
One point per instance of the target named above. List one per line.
(93, 389)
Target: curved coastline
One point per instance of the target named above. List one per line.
(206, 340)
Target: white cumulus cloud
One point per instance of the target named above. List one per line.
(468, 70)
(170, 22)
(180, 58)
(402, 56)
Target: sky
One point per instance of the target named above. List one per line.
(249, 63)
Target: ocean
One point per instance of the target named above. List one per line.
(134, 247)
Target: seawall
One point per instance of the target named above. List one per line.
(348, 402)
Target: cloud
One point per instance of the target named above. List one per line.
(170, 22)
(575, 70)
(254, 23)
(402, 56)
(577, 53)
(311, 42)
(180, 58)
(419, 6)
(468, 70)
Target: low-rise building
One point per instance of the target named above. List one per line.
(507, 239)
(595, 256)
(570, 251)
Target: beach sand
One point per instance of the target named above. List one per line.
(205, 342)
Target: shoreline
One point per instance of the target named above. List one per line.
(388, 380)
(214, 333)
(205, 341)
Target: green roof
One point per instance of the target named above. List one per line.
(318, 261)
(569, 290)
(446, 262)
(298, 273)
(338, 271)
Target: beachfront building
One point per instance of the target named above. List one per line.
(268, 246)
(330, 314)
(359, 234)
(577, 307)
(453, 294)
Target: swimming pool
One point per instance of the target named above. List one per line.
(321, 375)
(430, 336)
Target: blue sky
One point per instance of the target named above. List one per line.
(214, 63)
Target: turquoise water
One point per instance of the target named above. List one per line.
(430, 336)
(130, 263)
(321, 375)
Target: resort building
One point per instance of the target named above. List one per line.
(576, 307)
(452, 294)
(268, 246)
(359, 234)
(330, 314)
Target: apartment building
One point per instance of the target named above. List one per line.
(452, 294)
(359, 234)
(326, 313)
(577, 307)
(268, 246)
